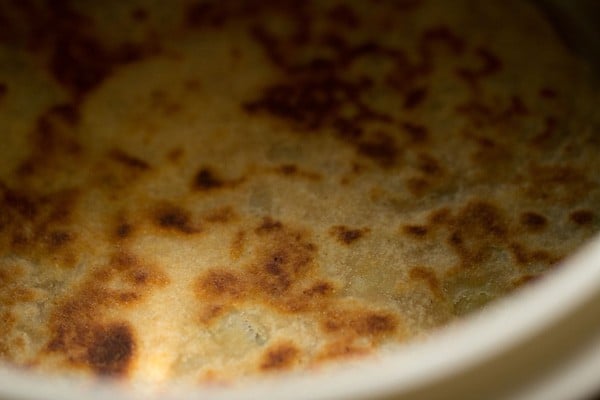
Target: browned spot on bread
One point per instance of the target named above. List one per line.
(416, 231)
(360, 323)
(280, 357)
(560, 183)
(417, 186)
(237, 245)
(139, 14)
(268, 225)
(347, 235)
(526, 280)
(524, 256)
(206, 179)
(80, 331)
(222, 284)
(175, 154)
(548, 93)
(490, 64)
(429, 277)
(59, 238)
(174, 218)
(38, 224)
(478, 227)
(343, 348)
(429, 165)
(319, 289)
(343, 15)
(293, 170)
(52, 140)
(413, 98)
(381, 148)
(416, 133)
(221, 215)
(123, 230)
(548, 132)
(3, 89)
(111, 349)
(582, 217)
(128, 161)
(533, 221)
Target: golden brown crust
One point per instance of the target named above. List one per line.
(212, 190)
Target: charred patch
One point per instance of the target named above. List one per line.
(429, 277)
(414, 98)
(341, 349)
(292, 170)
(417, 186)
(524, 256)
(319, 289)
(526, 280)
(3, 90)
(415, 231)
(429, 165)
(347, 235)
(206, 180)
(548, 93)
(533, 221)
(139, 14)
(174, 218)
(128, 161)
(57, 239)
(280, 275)
(111, 350)
(416, 133)
(477, 228)
(548, 132)
(123, 230)
(221, 215)
(280, 357)
(175, 154)
(490, 64)
(582, 217)
(563, 184)
(359, 323)
(237, 245)
(381, 149)
(268, 225)
(343, 15)
(222, 284)
(134, 271)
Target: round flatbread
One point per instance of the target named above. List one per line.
(206, 191)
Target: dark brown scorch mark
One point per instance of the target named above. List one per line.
(524, 256)
(292, 170)
(128, 161)
(533, 221)
(206, 179)
(280, 357)
(175, 218)
(582, 217)
(347, 235)
(477, 227)
(490, 64)
(360, 323)
(111, 350)
(80, 332)
(415, 231)
(429, 277)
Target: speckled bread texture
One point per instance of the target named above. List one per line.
(208, 191)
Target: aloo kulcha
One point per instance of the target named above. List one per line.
(205, 191)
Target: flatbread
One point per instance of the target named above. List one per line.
(209, 191)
